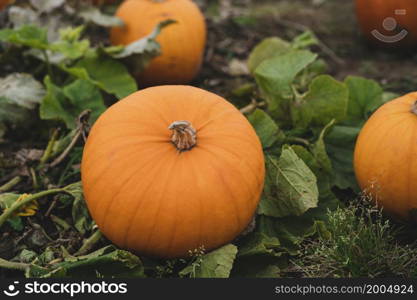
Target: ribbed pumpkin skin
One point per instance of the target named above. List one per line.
(385, 156)
(371, 14)
(147, 197)
(182, 44)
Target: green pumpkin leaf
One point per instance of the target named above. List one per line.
(46, 6)
(45, 257)
(364, 97)
(80, 216)
(275, 77)
(327, 99)
(67, 103)
(258, 243)
(19, 95)
(340, 144)
(118, 263)
(69, 45)
(146, 45)
(7, 199)
(304, 40)
(27, 256)
(109, 74)
(78, 72)
(84, 95)
(53, 106)
(267, 130)
(94, 15)
(290, 187)
(268, 48)
(319, 166)
(11, 113)
(103, 263)
(259, 256)
(27, 35)
(319, 150)
(293, 230)
(16, 223)
(22, 90)
(215, 264)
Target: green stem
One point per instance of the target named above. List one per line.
(48, 151)
(13, 265)
(10, 184)
(89, 243)
(251, 107)
(34, 178)
(48, 63)
(64, 154)
(18, 204)
(60, 222)
(297, 140)
(298, 96)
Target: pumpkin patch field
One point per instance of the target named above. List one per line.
(208, 139)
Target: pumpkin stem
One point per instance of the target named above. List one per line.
(184, 135)
(414, 108)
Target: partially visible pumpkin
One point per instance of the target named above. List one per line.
(4, 3)
(385, 157)
(171, 169)
(388, 22)
(182, 43)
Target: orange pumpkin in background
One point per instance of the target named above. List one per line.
(170, 169)
(4, 3)
(385, 157)
(182, 43)
(390, 23)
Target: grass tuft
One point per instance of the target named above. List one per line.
(362, 243)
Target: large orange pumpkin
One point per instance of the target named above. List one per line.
(170, 169)
(182, 43)
(388, 22)
(385, 156)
